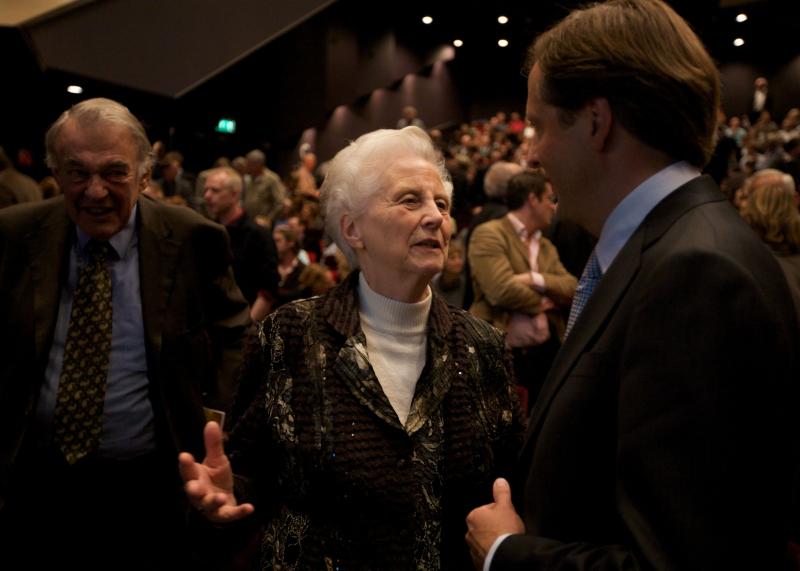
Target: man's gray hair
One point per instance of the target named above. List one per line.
(356, 173)
(98, 111)
(233, 180)
(495, 183)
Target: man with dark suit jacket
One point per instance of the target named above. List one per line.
(91, 426)
(664, 436)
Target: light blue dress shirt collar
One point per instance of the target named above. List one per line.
(635, 207)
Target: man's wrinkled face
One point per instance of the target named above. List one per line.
(98, 170)
(220, 198)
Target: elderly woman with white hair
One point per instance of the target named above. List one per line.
(382, 415)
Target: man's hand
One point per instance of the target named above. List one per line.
(209, 486)
(486, 523)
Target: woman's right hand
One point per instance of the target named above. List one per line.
(209, 486)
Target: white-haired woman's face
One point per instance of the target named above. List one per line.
(404, 231)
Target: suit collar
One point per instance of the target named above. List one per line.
(49, 245)
(613, 285)
(158, 251)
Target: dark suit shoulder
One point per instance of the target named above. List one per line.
(28, 216)
(179, 218)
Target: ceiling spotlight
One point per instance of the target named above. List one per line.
(502, 43)
(738, 42)
(502, 19)
(741, 18)
(427, 20)
(76, 89)
(458, 43)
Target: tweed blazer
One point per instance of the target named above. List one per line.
(496, 254)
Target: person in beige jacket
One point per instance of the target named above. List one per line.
(520, 285)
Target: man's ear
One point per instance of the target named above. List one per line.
(602, 119)
(145, 180)
(350, 232)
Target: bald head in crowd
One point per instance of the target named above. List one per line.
(495, 184)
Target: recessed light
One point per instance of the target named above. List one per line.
(741, 18)
(458, 43)
(502, 19)
(427, 20)
(738, 42)
(76, 89)
(502, 43)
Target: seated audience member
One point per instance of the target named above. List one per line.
(305, 184)
(297, 280)
(383, 414)
(177, 188)
(254, 258)
(410, 118)
(451, 283)
(771, 210)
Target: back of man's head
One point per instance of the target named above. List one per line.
(256, 157)
(496, 180)
(642, 57)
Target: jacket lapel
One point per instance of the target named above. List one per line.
(49, 251)
(614, 283)
(158, 252)
(351, 364)
(340, 310)
(437, 376)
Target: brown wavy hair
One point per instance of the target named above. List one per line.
(642, 57)
(771, 210)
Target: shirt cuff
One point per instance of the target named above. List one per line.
(487, 563)
(538, 281)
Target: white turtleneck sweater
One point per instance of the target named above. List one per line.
(396, 335)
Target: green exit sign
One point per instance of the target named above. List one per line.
(226, 126)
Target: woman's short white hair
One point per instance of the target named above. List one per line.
(355, 174)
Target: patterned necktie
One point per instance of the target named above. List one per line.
(82, 386)
(591, 275)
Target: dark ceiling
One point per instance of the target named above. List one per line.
(281, 85)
